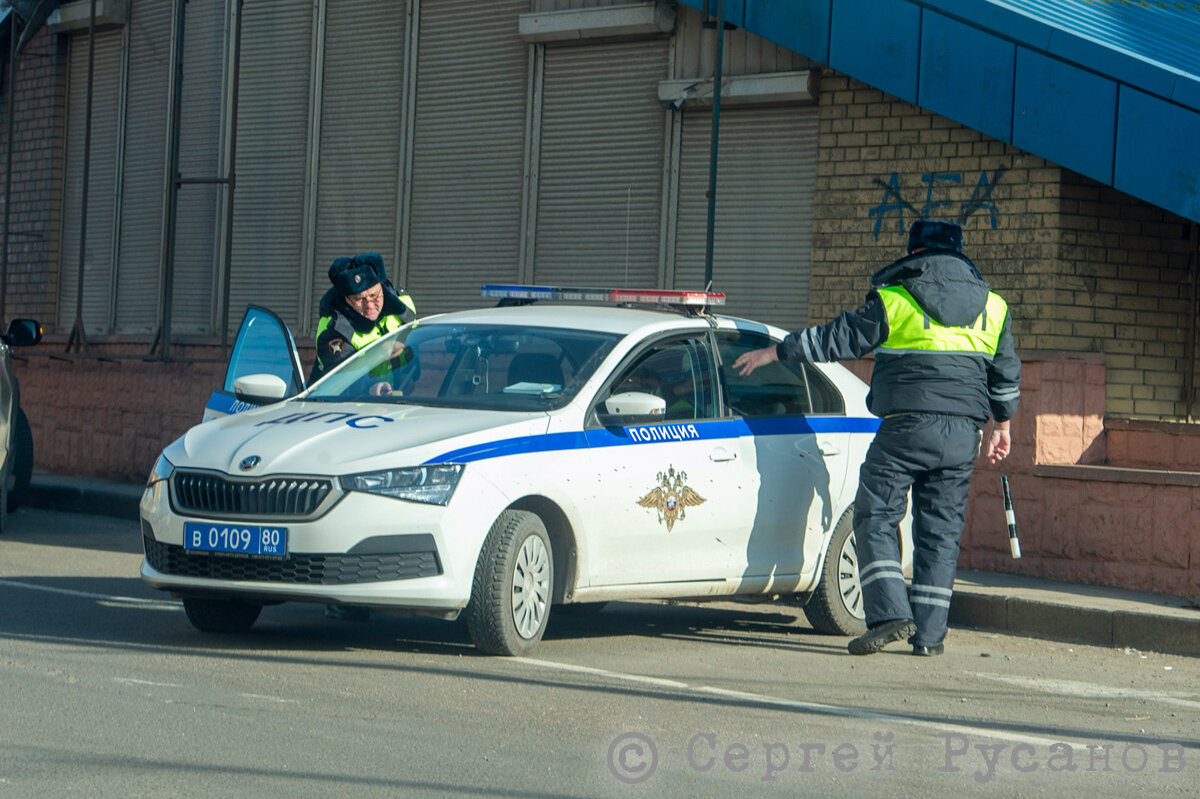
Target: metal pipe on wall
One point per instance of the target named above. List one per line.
(166, 280)
(231, 175)
(78, 337)
(712, 156)
(10, 129)
(1189, 374)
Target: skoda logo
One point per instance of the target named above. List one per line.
(249, 463)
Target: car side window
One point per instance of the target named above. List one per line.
(822, 394)
(776, 389)
(679, 371)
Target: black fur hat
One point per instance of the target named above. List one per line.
(357, 274)
(933, 234)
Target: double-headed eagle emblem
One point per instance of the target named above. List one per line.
(670, 497)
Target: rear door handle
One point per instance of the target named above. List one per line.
(721, 454)
(829, 448)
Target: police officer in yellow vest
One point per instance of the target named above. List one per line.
(944, 364)
(361, 306)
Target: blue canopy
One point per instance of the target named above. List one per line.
(1107, 88)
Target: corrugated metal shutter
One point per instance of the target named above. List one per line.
(200, 205)
(272, 157)
(106, 91)
(468, 152)
(600, 182)
(359, 163)
(142, 198)
(763, 232)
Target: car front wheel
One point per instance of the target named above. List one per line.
(837, 605)
(221, 615)
(510, 596)
(17, 484)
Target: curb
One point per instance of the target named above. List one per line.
(1152, 632)
(84, 495)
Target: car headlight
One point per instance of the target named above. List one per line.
(433, 484)
(163, 469)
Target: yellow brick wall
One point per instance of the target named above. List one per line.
(1084, 268)
(1125, 276)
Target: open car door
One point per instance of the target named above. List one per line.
(264, 346)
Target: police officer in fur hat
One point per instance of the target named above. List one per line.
(361, 306)
(944, 364)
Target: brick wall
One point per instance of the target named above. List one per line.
(110, 415)
(35, 201)
(1084, 268)
(884, 163)
(1082, 515)
(1125, 280)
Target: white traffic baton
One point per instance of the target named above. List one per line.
(1013, 543)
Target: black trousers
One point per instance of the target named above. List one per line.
(934, 456)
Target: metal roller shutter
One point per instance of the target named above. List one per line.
(359, 162)
(140, 248)
(272, 157)
(200, 209)
(106, 93)
(762, 239)
(468, 151)
(600, 177)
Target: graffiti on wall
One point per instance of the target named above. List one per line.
(941, 188)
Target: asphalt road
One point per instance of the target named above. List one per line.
(106, 690)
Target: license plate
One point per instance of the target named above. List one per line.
(241, 539)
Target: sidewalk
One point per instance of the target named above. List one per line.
(988, 600)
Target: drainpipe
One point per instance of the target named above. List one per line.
(1189, 374)
(712, 156)
(231, 174)
(166, 279)
(9, 129)
(78, 338)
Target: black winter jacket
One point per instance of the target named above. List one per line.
(948, 287)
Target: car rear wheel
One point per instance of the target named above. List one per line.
(4, 499)
(221, 615)
(19, 477)
(510, 596)
(837, 605)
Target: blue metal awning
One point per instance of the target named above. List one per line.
(1107, 88)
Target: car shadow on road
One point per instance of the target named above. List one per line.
(124, 610)
(760, 624)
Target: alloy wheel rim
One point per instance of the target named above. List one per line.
(849, 585)
(530, 587)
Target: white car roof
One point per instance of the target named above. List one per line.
(603, 318)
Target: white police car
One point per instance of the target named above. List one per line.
(497, 462)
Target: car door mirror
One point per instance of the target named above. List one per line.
(261, 389)
(633, 407)
(23, 333)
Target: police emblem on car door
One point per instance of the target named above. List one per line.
(671, 497)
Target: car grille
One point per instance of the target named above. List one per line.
(208, 494)
(298, 569)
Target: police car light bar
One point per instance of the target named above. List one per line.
(641, 296)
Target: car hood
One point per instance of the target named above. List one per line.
(341, 438)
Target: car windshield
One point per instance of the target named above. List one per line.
(490, 367)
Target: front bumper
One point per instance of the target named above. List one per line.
(364, 550)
